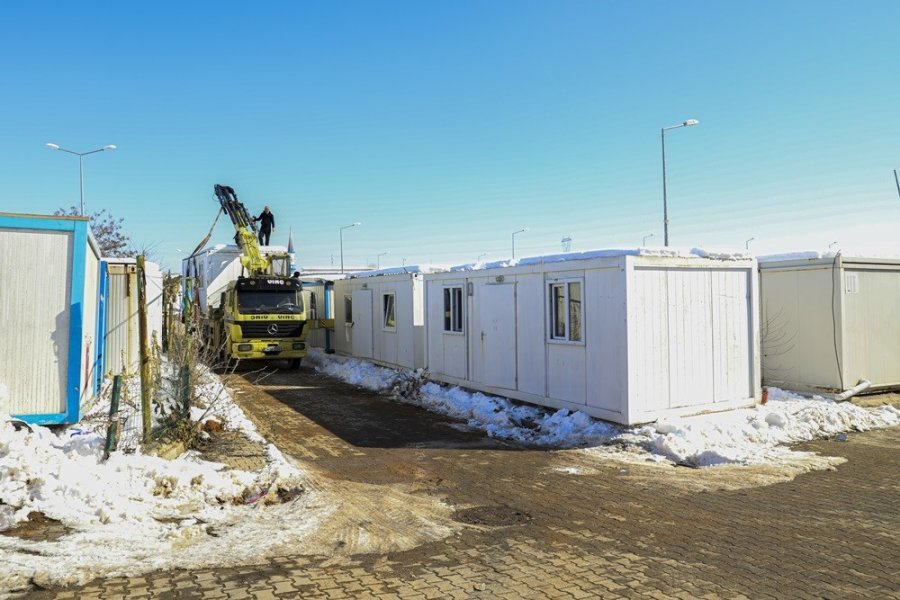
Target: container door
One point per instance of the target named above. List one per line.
(362, 323)
(493, 337)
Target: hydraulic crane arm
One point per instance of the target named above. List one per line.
(252, 259)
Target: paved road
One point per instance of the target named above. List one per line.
(565, 524)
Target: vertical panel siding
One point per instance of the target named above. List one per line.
(797, 334)
(34, 310)
(690, 350)
(648, 344)
(531, 332)
(731, 335)
(606, 339)
(121, 321)
(871, 340)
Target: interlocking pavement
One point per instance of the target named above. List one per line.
(601, 530)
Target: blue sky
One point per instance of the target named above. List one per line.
(444, 127)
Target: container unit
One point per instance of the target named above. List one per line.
(49, 305)
(215, 267)
(318, 298)
(121, 330)
(620, 335)
(828, 322)
(379, 316)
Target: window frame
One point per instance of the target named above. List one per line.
(563, 284)
(453, 293)
(384, 311)
(348, 309)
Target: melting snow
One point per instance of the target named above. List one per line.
(135, 513)
(744, 436)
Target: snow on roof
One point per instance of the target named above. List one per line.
(406, 269)
(667, 252)
(818, 255)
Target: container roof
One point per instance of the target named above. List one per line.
(662, 252)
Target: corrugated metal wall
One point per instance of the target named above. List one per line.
(121, 320)
(35, 314)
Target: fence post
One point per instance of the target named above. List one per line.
(188, 346)
(112, 431)
(144, 350)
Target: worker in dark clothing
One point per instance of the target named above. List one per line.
(266, 226)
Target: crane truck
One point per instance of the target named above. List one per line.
(259, 315)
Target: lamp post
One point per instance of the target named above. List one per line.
(688, 123)
(342, 241)
(480, 256)
(81, 156)
(515, 233)
(646, 237)
(378, 259)
(747, 243)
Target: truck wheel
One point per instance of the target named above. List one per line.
(295, 363)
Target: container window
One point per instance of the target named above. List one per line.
(388, 305)
(566, 322)
(453, 309)
(575, 311)
(348, 309)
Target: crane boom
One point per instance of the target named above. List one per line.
(252, 259)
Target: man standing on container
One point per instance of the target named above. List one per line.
(266, 226)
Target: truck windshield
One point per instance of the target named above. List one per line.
(274, 301)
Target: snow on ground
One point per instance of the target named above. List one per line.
(745, 436)
(135, 512)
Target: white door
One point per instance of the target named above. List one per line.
(361, 312)
(493, 336)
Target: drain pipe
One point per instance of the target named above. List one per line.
(863, 385)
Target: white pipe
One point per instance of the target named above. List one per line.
(863, 385)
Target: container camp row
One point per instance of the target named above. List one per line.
(629, 336)
(70, 316)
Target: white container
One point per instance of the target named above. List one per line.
(49, 297)
(829, 321)
(379, 316)
(215, 267)
(621, 335)
(122, 350)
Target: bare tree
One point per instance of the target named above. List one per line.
(107, 231)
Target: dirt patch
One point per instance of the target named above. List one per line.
(38, 528)
(491, 516)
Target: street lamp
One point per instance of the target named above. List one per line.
(342, 241)
(515, 233)
(831, 245)
(646, 237)
(688, 123)
(747, 243)
(378, 259)
(81, 156)
(480, 256)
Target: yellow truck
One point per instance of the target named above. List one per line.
(251, 308)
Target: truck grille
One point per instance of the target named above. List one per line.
(264, 329)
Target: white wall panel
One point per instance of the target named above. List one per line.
(606, 339)
(34, 308)
(531, 332)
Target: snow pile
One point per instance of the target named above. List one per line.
(745, 436)
(666, 252)
(406, 269)
(137, 512)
